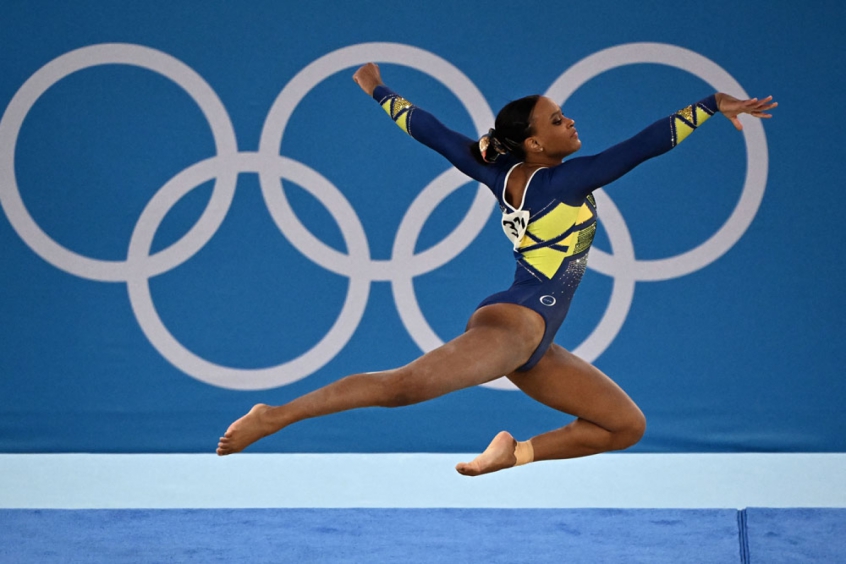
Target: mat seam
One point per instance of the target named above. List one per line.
(743, 536)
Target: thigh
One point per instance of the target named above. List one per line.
(499, 338)
(565, 382)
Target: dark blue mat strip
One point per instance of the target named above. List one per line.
(655, 536)
(650, 536)
(796, 536)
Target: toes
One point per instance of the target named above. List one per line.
(466, 469)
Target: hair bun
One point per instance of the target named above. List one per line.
(491, 147)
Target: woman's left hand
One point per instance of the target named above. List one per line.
(368, 77)
(731, 107)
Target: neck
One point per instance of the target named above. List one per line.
(545, 159)
(537, 161)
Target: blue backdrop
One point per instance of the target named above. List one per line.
(158, 279)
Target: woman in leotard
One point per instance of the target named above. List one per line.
(549, 216)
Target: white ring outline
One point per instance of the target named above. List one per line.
(401, 269)
(95, 55)
(757, 159)
(192, 364)
(271, 139)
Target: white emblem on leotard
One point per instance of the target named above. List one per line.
(514, 224)
(547, 300)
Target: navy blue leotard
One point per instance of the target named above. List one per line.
(552, 229)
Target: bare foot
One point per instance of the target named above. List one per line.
(498, 455)
(245, 431)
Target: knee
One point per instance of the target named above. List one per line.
(631, 432)
(400, 389)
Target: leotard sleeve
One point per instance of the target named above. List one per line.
(424, 127)
(574, 179)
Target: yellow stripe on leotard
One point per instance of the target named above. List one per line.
(399, 109)
(558, 220)
(686, 120)
(545, 260)
(548, 259)
(681, 129)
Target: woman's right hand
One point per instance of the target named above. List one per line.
(368, 77)
(731, 107)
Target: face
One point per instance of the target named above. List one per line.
(552, 132)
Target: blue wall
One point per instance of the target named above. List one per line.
(155, 285)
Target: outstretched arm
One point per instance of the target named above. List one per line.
(423, 126)
(583, 175)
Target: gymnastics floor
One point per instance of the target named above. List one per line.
(732, 508)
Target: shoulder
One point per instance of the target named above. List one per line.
(562, 181)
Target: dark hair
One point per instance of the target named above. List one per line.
(512, 127)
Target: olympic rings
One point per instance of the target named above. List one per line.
(404, 265)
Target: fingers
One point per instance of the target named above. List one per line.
(760, 108)
(754, 107)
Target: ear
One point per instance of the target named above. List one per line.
(532, 145)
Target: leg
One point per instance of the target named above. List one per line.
(499, 338)
(607, 419)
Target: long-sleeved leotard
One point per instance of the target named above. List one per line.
(553, 227)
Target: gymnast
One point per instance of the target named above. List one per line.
(549, 216)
